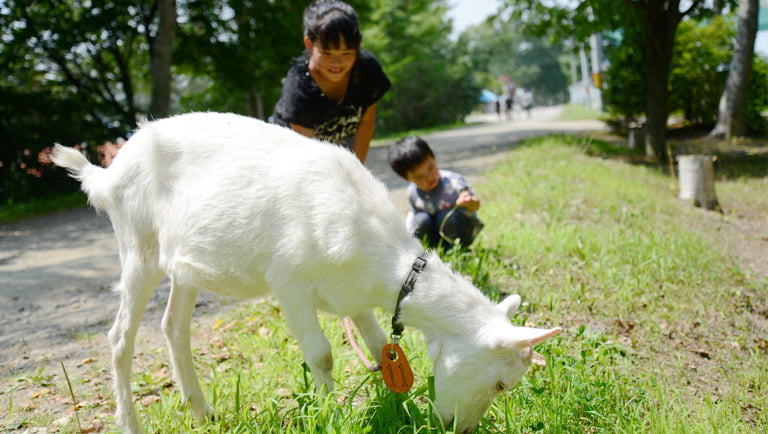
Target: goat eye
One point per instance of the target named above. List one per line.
(500, 386)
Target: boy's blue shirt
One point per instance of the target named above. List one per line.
(442, 197)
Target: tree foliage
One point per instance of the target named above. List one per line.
(73, 72)
(702, 50)
(85, 71)
(232, 54)
(531, 61)
(432, 79)
(656, 21)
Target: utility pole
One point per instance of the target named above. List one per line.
(585, 76)
(596, 50)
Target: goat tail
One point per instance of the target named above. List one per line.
(84, 171)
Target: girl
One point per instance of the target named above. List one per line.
(331, 90)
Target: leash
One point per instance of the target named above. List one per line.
(351, 336)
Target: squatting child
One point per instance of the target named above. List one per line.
(443, 205)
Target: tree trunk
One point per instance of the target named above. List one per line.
(731, 110)
(255, 104)
(162, 51)
(660, 23)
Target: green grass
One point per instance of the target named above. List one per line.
(572, 112)
(660, 325)
(593, 245)
(386, 139)
(11, 212)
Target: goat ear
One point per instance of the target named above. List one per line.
(542, 335)
(525, 337)
(533, 336)
(509, 305)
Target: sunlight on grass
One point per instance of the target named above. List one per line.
(10, 212)
(572, 112)
(659, 324)
(596, 246)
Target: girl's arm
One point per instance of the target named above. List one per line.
(365, 133)
(304, 131)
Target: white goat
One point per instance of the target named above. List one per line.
(244, 208)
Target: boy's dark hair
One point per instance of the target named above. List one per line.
(407, 153)
(330, 22)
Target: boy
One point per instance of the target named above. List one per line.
(443, 206)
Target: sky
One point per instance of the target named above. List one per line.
(466, 13)
(469, 12)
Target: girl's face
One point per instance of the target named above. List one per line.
(331, 64)
(426, 175)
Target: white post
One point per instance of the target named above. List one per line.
(697, 180)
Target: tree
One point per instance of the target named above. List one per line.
(659, 19)
(731, 120)
(499, 48)
(433, 79)
(236, 52)
(162, 55)
(696, 81)
(96, 54)
(71, 73)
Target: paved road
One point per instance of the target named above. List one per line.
(57, 271)
(474, 149)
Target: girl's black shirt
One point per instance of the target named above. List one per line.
(303, 103)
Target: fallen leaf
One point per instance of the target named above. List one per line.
(86, 361)
(149, 400)
(221, 357)
(41, 392)
(703, 353)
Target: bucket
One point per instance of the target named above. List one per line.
(697, 180)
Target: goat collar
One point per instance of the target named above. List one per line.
(416, 268)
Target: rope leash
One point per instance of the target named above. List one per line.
(368, 364)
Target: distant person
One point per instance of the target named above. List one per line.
(510, 101)
(443, 205)
(331, 90)
(527, 102)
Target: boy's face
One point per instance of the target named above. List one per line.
(332, 64)
(426, 175)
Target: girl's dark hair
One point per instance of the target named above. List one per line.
(407, 153)
(330, 22)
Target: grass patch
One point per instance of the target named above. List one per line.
(386, 139)
(11, 212)
(573, 112)
(665, 318)
(657, 336)
(662, 328)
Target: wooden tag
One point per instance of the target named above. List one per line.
(397, 373)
